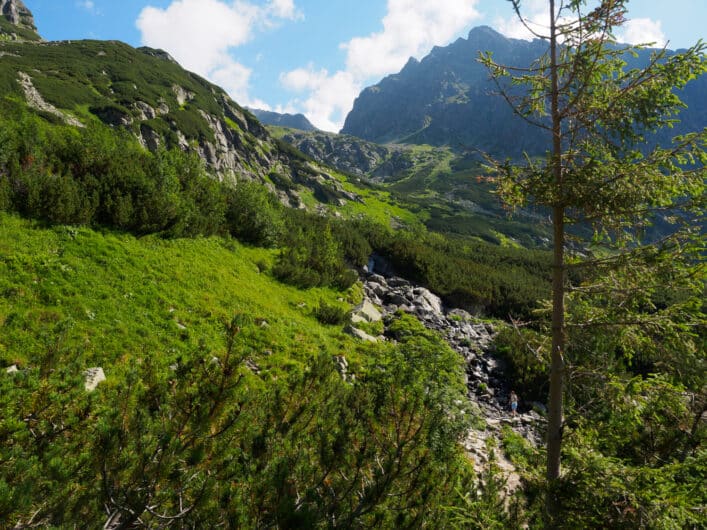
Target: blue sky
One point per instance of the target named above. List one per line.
(315, 56)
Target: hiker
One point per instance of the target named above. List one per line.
(514, 402)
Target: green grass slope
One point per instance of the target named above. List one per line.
(116, 297)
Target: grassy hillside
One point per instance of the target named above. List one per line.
(116, 296)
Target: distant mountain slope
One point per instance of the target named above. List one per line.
(353, 155)
(293, 121)
(444, 187)
(448, 99)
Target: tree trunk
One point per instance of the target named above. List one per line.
(554, 423)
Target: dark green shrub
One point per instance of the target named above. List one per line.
(253, 215)
(333, 314)
(526, 353)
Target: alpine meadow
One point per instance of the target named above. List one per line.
(480, 305)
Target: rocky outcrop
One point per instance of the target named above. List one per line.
(35, 100)
(93, 377)
(16, 12)
(353, 155)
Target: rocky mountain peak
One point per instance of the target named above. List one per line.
(17, 13)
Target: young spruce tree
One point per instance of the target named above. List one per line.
(603, 168)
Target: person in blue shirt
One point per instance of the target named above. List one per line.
(514, 402)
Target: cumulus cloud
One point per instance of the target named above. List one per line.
(643, 31)
(328, 96)
(410, 28)
(200, 34)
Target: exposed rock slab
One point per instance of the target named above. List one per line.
(35, 100)
(93, 376)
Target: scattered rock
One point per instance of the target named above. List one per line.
(366, 312)
(93, 376)
(485, 372)
(360, 334)
(342, 366)
(182, 94)
(252, 366)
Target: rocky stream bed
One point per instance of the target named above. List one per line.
(486, 378)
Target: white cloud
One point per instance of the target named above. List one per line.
(88, 5)
(329, 96)
(200, 35)
(642, 31)
(536, 16)
(410, 28)
(285, 9)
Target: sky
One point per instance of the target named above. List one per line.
(315, 56)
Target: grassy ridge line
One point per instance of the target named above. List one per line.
(118, 296)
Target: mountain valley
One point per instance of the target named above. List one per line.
(212, 316)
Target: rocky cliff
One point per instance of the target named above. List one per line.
(448, 99)
(16, 21)
(354, 155)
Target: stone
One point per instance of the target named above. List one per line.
(93, 376)
(360, 334)
(366, 312)
(252, 366)
(395, 298)
(377, 278)
(17, 14)
(182, 94)
(12, 369)
(398, 282)
(342, 366)
(145, 111)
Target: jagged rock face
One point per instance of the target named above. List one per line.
(18, 14)
(448, 99)
(445, 99)
(353, 155)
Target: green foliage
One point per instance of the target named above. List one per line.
(332, 314)
(473, 275)
(600, 170)
(254, 215)
(526, 352)
(636, 459)
(312, 256)
(205, 442)
(483, 505)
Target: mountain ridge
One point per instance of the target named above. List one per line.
(447, 98)
(293, 121)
